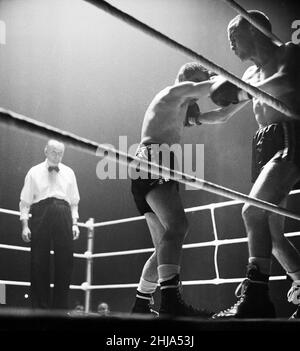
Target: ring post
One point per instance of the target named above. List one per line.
(89, 264)
(216, 239)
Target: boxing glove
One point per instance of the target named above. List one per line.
(223, 93)
(192, 115)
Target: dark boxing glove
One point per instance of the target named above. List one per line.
(192, 115)
(223, 93)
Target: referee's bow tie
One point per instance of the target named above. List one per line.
(53, 168)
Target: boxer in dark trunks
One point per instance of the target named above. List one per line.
(277, 141)
(158, 199)
(276, 161)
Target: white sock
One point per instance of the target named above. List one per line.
(146, 287)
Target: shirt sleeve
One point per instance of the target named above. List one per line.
(26, 197)
(24, 209)
(74, 197)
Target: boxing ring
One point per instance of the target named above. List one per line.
(91, 229)
(91, 225)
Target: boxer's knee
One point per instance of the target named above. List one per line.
(177, 230)
(252, 214)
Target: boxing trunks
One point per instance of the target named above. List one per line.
(276, 142)
(141, 186)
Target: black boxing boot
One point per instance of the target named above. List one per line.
(143, 304)
(254, 300)
(172, 304)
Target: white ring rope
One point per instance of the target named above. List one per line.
(18, 213)
(187, 210)
(216, 243)
(12, 212)
(14, 247)
(215, 281)
(84, 286)
(211, 206)
(22, 248)
(18, 283)
(240, 10)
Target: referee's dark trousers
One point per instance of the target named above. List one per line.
(51, 228)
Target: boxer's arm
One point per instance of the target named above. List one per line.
(191, 90)
(224, 93)
(221, 115)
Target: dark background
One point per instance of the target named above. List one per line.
(73, 66)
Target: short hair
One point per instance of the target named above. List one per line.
(259, 16)
(190, 68)
(54, 142)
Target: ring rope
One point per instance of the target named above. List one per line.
(239, 9)
(134, 162)
(139, 218)
(262, 96)
(23, 248)
(215, 281)
(87, 286)
(186, 210)
(217, 242)
(19, 283)
(13, 212)
(18, 213)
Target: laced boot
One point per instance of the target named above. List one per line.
(253, 300)
(172, 303)
(143, 304)
(294, 297)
